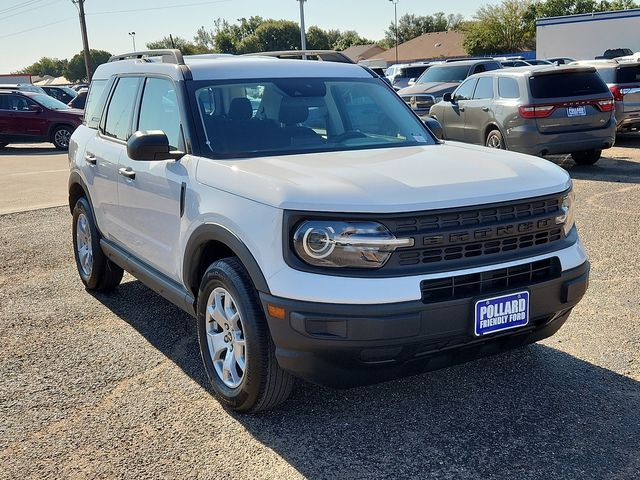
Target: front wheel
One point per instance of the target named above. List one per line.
(235, 343)
(495, 140)
(96, 271)
(60, 137)
(586, 158)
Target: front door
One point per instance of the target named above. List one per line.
(454, 117)
(149, 193)
(478, 111)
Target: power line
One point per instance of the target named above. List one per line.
(4, 17)
(158, 8)
(22, 5)
(36, 28)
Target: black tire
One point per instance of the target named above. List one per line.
(495, 140)
(263, 385)
(104, 275)
(60, 137)
(586, 158)
(2, 144)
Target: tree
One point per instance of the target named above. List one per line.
(182, 44)
(411, 26)
(555, 8)
(46, 66)
(349, 38)
(317, 39)
(75, 71)
(500, 29)
(275, 35)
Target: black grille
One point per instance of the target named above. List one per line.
(471, 285)
(475, 236)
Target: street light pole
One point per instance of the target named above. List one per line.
(303, 36)
(395, 13)
(133, 38)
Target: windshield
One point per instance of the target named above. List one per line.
(300, 115)
(69, 91)
(49, 102)
(445, 73)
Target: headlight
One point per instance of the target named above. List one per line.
(438, 99)
(567, 213)
(346, 244)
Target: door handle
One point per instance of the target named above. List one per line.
(485, 109)
(127, 172)
(90, 158)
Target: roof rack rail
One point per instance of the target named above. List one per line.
(322, 55)
(170, 55)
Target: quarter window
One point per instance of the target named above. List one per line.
(94, 104)
(508, 87)
(120, 111)
(484, 88)
(159, 110)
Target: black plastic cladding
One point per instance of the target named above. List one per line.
(452, 239)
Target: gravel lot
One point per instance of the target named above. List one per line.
(112, 385)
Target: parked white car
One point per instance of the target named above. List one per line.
(313, 224)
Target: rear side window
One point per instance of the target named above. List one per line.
(484, 88)
(159, 110)
(491, 66)
(508, 87)
(120, 111)
(412, 72)
(569, 84)
(94, 104)
(628, 74)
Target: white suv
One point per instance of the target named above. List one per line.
(312, 224)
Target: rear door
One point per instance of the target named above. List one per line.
(568, 101)
(628, 80)
(454, 115)
(24, 122)
(479, 111)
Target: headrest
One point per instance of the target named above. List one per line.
(290, 114)
(240, 109)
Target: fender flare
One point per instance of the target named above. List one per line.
(494, 126)
(214, 232)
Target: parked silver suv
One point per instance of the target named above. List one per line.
(536, 110)
(623, 79)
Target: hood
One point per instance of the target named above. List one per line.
(400, 179)
(439, 88)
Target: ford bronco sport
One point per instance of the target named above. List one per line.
(312, 224)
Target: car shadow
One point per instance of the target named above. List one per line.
(41, 149)
(536, 412)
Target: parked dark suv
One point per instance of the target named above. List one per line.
(440, 79)
(27, 117)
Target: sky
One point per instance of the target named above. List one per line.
(31, 29)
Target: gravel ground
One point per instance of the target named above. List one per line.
(111, 386)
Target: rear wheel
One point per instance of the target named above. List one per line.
(586, 158)
(96, 271)
(235, 343)
(495, 140)
(60, 137)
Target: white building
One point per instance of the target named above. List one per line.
(586, 36)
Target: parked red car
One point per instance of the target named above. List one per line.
(27, 117)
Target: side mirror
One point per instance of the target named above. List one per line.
(151, 145)
(447, 97)
(35, 108)
(411, 82)
(433, 125)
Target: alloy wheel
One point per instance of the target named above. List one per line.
(225, 337)
(83, 245)
(62, 137)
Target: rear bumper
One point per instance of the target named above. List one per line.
(349, 345)
(628, 121)
(527, 139)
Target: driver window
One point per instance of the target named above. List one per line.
(465, 91)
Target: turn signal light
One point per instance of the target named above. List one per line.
(276, 312)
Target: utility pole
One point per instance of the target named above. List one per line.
(85, 40)
(133, 38)
(395, 11)
(303, 36)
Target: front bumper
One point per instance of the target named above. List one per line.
(349, 345)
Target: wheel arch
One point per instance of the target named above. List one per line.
(211, 242)
(77, 189)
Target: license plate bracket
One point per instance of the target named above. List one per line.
(502, 312)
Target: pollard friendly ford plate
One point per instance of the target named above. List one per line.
(576, 111)
(501, 313)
